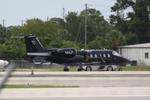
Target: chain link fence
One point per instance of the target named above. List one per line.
(23, 65)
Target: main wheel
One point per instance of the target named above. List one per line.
(66, 69)
(120, 69)
(110, 68)
(88, 68)
(79, 69)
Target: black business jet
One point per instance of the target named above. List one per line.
(68, 56)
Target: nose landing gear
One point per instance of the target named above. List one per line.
(80, 68)
(88, 68)
(66, 69)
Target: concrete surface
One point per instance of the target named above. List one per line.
(94, 86)
(88, 98)
(77, 92)
(83, 79)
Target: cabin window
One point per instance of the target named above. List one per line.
(108, 55)
(146, 55)
(100, 55)
(91, 55)
(95, 55)
(104, 55)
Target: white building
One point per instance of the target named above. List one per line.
(138, 52)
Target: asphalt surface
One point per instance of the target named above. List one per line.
(74, 93)
(84, 82)
(80, 74)
(93, 98)
(93, 86)
(83, 79)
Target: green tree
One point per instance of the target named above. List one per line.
(115, 38)
(96, 25)
(3, 34)
(99, 43)
(136, 21)
(111, 40)
(72, 25)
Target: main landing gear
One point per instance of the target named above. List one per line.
(110, 68)
(66, 69)
(88, 68)
(80, 68)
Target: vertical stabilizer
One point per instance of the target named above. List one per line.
(33, 44)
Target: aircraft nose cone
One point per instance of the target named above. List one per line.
(127, 61)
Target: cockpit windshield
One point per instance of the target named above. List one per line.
(116, 53)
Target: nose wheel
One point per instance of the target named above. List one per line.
(120, 68)
(88, 68)
(80, 68)
(66, 69)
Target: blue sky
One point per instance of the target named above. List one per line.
(13, 11)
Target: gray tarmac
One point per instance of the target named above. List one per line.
(109, 93)
(93, 98)
(83, 79)
(81, 74)
(84, 82)
(93, 86)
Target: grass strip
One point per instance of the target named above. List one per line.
(41, 69)
(136, 68)
(74, 69)
(38, 86)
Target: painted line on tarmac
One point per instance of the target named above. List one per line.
(77, 78)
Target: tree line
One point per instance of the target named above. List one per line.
(121, 29)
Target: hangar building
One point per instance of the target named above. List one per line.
(138, 52)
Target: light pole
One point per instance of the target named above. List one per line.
(85, 42)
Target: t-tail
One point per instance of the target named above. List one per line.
(34, 48)
(33, 44)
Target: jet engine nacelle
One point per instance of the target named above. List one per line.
(3, 63)
(65, 52)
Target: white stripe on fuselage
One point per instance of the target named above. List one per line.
(39, 54)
